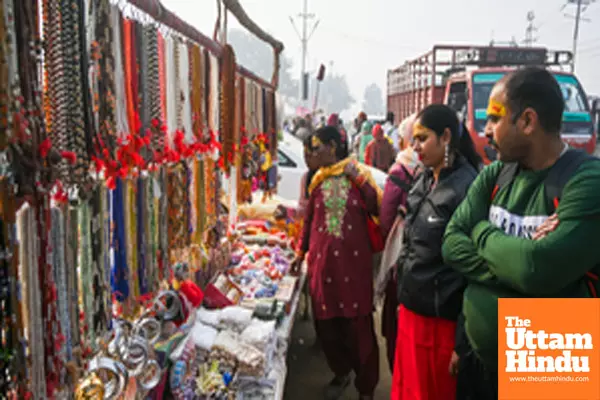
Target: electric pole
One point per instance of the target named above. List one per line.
(582, 5)
(531, 29)
(304, 38)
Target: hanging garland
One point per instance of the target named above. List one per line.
(227, 109)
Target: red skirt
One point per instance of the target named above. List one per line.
(423, 351)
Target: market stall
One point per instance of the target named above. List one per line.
(117, 121)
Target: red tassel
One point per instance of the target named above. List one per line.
(69, 156)
(111, 183)
(45, 147)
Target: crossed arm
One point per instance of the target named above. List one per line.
(560, 255)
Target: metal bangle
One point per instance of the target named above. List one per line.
(149, 381)
(134, 355)
(91, 388)
(170, 313)
(148, 328)
(117, 374)
(115, 343)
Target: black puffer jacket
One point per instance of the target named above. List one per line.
(426, 285)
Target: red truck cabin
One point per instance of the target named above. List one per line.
(463, 76)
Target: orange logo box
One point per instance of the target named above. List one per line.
(548, 349)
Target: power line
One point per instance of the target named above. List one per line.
(304, 38)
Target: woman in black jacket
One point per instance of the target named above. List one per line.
(429, 292)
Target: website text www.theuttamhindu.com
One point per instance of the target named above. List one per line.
(557, 379)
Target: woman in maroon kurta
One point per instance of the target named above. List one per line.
(340, 267)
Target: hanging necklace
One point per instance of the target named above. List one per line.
(86, 273)
(120, 270)
(141, 235)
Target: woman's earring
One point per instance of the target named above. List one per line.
(446, 155)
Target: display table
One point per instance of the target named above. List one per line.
(284, 332)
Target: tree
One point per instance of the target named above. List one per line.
(257, 56)
(334, 94)
(373, 100)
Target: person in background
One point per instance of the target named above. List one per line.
(340, 264)
(365, 137)
(517, 239)
(303, 130)
(429, 291)
(358, 122)
(380, 153)
(390, 130)
(397, 186)
(322, 121)
(334, 120)
(309, 122)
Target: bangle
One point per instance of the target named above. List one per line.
(90, 388)
(300, 253)
(148, 328)
(117, 374)
(151, 375)
(134, 354)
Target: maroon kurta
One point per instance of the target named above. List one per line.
(340, 260)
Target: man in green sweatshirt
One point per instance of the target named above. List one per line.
(507, 240)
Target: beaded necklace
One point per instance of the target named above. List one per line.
(60, 277)
(177, 81)
(78, 129)
(12, 370)
(163, 225)
(86, 273)
(162, 72)
(120, 270)
(227, 108)
(142, 61)
(176, 188)
(121, 115)
(184, 86)
(171, 88)
(99, 317)
(103, 56)
(196, 89)
(152, 234)
(141, 212)
(130, 74)
(71, 259)
(153, 85)
(30, 51)
(106, 250)
(12, 373)
(35, 330)
(132, 245)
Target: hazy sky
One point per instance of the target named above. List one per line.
(365, 38)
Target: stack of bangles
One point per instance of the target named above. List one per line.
(128, 353)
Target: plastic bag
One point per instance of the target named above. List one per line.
(235, 318)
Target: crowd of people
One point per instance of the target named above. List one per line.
(452, 238)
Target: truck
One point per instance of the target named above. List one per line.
(462, 77)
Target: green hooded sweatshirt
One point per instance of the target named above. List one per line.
(489, 243)
(365, 137)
